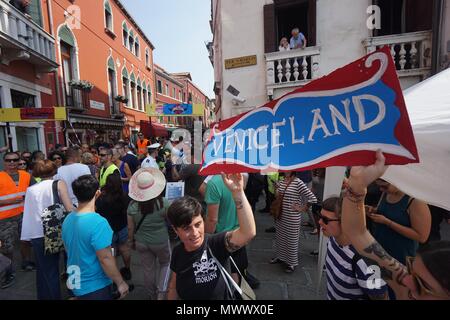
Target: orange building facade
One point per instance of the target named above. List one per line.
(105, 74)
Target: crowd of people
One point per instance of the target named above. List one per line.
(110, 200)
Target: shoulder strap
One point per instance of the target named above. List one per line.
(55, 192)
(140, 223)
(225, 275)
(410, 200)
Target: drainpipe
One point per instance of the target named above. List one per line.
(438, 12)
(55, 74)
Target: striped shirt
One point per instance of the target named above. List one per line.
(345, 283)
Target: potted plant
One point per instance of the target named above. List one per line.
(81, 84)
(121, 98)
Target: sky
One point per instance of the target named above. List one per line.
(178, 29)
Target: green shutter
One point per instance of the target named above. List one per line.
(144, 85)
(139, 82)
(66, 35)
(124, 27)
(111, 64)
(108, 7)
(131, 34)
(35, 11)
(132, 78)
(125, 73)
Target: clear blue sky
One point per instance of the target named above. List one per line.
(178, 29)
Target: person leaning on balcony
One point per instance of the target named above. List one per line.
(284, 45)
(23, 6)
(298, 40)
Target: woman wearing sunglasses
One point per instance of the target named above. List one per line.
(425, 277)
(58, 158)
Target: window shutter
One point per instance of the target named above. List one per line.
(111, 64)
(269, 28)
(312, 22)
(35, 11)
(108, 8)
(125, 73)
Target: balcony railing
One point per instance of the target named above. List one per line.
(291, 68)
(23, 39)
(411, 51)
(77, 99)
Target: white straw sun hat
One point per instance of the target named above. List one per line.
(146, 184)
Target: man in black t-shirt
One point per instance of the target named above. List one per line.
(196, 273)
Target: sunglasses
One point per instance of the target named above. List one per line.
(56, 158)
(22, 163)
(326, 220)
(419, 283)
(12, 160)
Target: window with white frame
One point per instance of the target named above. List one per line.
(108, 16)
(137, 48)
(131, 41)
(125, 34)
(167, 90)
(159, 86)
(147, 58)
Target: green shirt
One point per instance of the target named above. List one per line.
(153, 229)
(218, 193)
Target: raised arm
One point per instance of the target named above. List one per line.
(236, 239)
(354, 226)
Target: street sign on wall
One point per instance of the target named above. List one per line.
(175, 110)
(240, 62)
(32, 114)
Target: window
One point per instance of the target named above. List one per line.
(159, 86)
(184, 96)
(22, 100)
(174, 92)
(125, 34)
(131, 41)
(167, 90)
(112, 87)
(179, 94)
(108, 16)
(144, 95)
(147, 58)
(139, 97)
(66, 59)
(133, 95)
(35, 12)
(137, 48)
(125, 89)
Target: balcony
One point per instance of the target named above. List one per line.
(22, 39)
(77, 100)
(289, 69)
(116, 110)
(411, 52)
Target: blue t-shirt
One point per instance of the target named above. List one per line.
(83, 235)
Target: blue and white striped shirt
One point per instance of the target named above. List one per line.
(344, 283)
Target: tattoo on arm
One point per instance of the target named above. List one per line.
(239, 204)
(229, 245)
(393, 265)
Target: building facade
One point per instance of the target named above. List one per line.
(337, 33)
(102, 54)
(27, 73)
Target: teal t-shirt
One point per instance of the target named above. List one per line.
(83, 235)
(218, 193)
(153, 230)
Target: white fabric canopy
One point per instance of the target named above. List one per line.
(428, 105)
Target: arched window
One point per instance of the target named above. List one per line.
(133, 91)
(125, 34)
(126, 85)
(131, 40)
(139, 94)
(69, 65)
(137, 49)
(144, 93)
(112, 89)
(108, 16)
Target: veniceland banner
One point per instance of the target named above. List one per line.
(338, 120)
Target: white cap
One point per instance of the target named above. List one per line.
(154, 146)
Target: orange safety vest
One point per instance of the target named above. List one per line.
(142, 147)
(9, 190)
